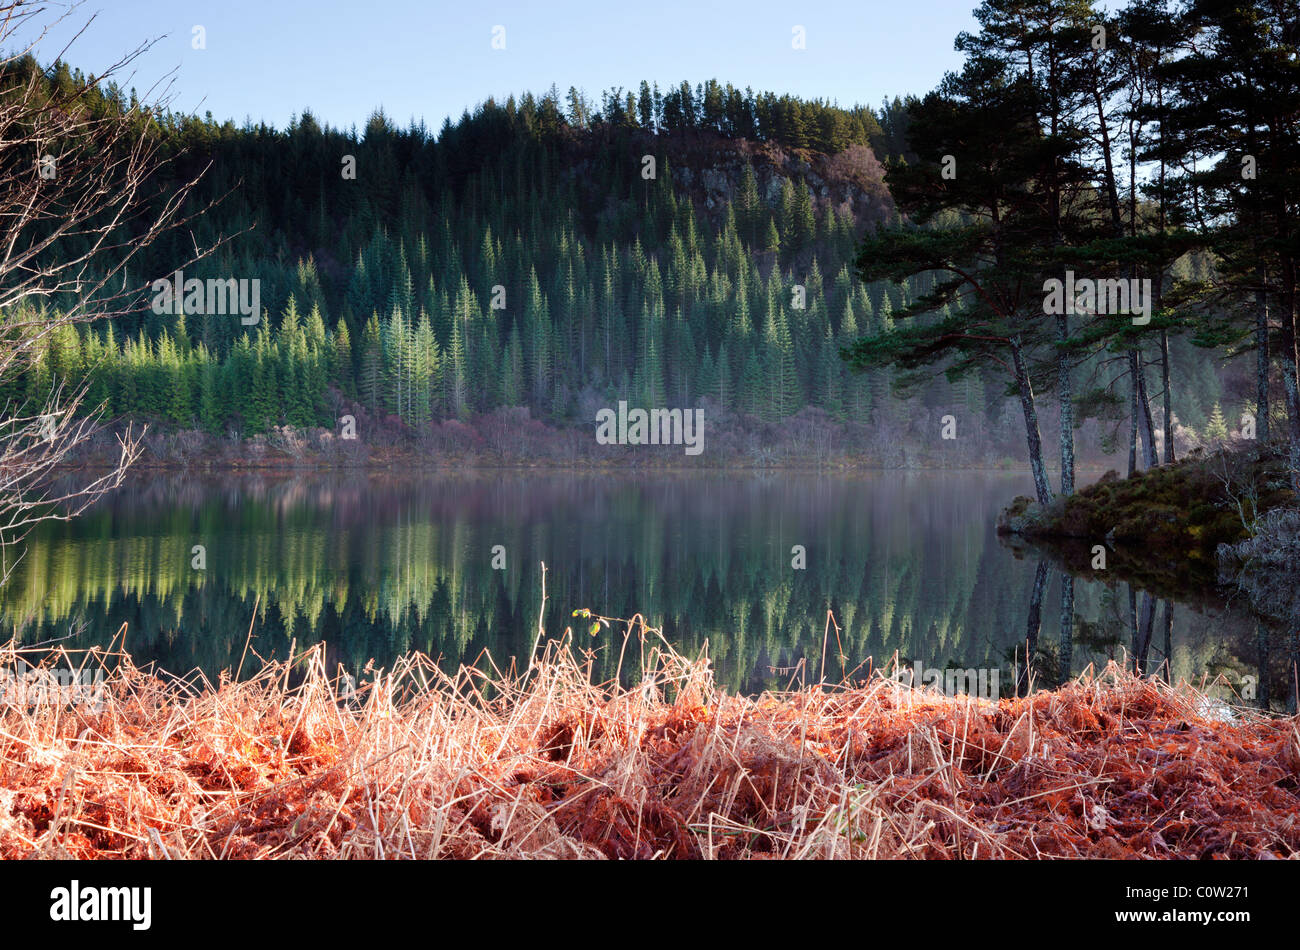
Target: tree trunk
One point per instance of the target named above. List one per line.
(1067, 407)
(1067, 626)
(1132, 412)
(1032, 435)
(1112, 189)
(1261, 364)
(1143, 651)
(1261, 645)
(1133, 623)
(1032, 627)
(1293, 662)
(1167, 617)
(1167, 398)
(1148, 425)
(1293, 414)
(1290, 384)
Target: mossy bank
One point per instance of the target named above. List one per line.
(1163, 525)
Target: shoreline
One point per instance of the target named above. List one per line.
(414, 463)
(808, 441)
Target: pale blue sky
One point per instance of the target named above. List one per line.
(268, 59)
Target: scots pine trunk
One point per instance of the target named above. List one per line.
(1067, 406)
(1067, 626)
(1032, 435)
(1148, 424)
(1032, 627)
(1132, 412)
(1261, 647)
(1261, 364)
(1290, 384)
(1167, 620)
(1293, 657)
(1133, 620)
(1292, 394)
(1143, 646)
(1167, 397)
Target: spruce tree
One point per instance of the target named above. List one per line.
(371, 380)
(341, 368)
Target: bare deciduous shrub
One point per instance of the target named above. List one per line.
(79, 200)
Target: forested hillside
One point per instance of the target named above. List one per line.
(549, 253)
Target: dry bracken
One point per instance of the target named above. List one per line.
(546, 764)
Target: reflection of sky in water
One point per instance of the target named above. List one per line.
(908, 563)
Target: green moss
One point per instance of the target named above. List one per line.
(1169, 513)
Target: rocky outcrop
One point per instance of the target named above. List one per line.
(710, 168)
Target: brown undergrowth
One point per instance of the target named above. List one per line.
(546, 764)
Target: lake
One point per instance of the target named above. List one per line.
(746, 566)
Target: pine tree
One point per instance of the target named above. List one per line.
(99, 363)
(537, 342)
(706, 375)
(725, 390)
(803, 224)
(371, 380)
(1216, 430)
(783, 396)
(265, 390)
(176, 393)
(397, 358)
(788, 210)
(512, 373)
(829, 394)
(210, 416)
(750, 394)
(425, 376)
(750, 217)
(341, 368)
(300, 409)
(455, 378)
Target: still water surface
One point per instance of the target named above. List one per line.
(908, 564)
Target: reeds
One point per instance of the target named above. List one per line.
(486, 763)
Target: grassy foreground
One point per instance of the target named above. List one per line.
(487, 764)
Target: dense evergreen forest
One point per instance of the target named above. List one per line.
(528, 255)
